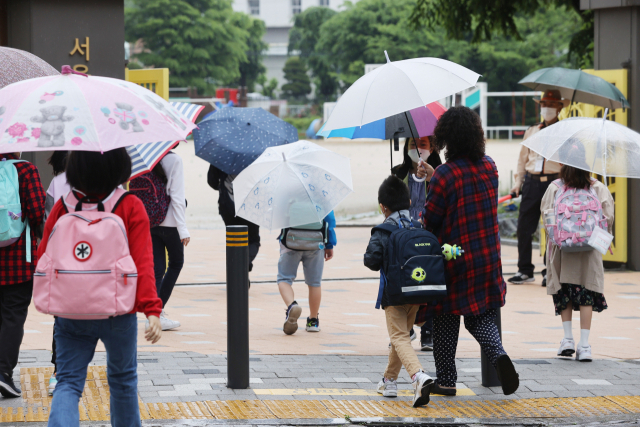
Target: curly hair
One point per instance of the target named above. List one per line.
(459, 130)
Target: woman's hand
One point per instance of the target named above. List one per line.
(429, 170)
(154, 332)
(421, 171)
(186, 241)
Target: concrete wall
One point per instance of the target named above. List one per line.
(617, 45)
(49, 28)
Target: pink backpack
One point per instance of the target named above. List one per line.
(577, 212)
(87, 271)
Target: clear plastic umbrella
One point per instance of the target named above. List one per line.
(601, 146)
(293, 184)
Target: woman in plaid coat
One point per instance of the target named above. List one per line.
(461, 208)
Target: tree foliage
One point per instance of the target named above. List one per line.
(252, 68)
(479, 20)
(303, 38)
(268, 87)
(360, 34)
(298, 85)
(200, 41)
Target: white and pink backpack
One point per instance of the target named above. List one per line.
(87, 271)
(577, 212)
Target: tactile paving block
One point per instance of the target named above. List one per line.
(630, 403)
(299, 409)
(240, 409)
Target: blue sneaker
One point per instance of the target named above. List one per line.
(291, 319)
(313, 325)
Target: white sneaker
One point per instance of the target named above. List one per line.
(388, 388)
(567, 347)
(53, 381)
(422, 387)
(167, 323)
(583, 354)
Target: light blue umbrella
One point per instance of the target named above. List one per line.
(232, 138)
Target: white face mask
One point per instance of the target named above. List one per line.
(424, 155)
(549, 114)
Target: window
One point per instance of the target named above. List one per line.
(324, 3)
(254, 7)
(296, 6)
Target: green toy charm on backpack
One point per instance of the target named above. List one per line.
(11, 216)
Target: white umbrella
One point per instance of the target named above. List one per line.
(597, 145)
(397, 87)
(291, 185)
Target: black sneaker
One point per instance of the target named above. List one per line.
(509, 378)
(313, 325)
(520, 278)
(291, 318)
(8, 388)
(426, 342)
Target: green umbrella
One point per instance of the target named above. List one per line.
(577, 86)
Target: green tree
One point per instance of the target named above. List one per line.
(481, 19)
(268, 88)
(196, 39)
(298, 85)
(253, 66)
(360, 35)
(303, 38)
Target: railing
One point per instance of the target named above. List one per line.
(493, 132)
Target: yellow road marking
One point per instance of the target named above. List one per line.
(94, 404)
(339, 392)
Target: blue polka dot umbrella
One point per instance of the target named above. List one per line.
(232, 138)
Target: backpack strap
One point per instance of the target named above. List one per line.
(385, 227)
(125, 194)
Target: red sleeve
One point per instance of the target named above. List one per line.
(135, 218)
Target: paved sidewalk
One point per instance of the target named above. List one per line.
(190, 385)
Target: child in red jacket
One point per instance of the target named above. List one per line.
(96, 176)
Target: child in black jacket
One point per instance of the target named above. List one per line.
(394, 200)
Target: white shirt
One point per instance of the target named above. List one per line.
(172, 165)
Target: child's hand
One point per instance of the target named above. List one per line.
(328, 254)
(154, 332)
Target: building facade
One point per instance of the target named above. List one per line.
(278, 16)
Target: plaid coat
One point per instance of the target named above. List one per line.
(14, 267)
(461, 208)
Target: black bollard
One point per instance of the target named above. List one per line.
(489, 374)
(238, 306)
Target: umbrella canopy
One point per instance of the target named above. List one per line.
(415, 123)
(291, 185)
(577, 86)
(597, 145)
(89, 113)
(17, 65)
(144, 157)
(232, 138)
(397, 87)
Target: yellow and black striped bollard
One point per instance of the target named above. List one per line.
(238, 306)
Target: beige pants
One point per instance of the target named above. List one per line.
(399, 323)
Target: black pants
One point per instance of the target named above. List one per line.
(528, 220)
(14, 306)
(166, 239)
(426, 328)
(446, 329)
(254, 233)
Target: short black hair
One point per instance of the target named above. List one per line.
(58, 161)
(394, 194)
(459, 130)
(96, 173)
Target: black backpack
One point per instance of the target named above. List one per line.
(415, 266)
